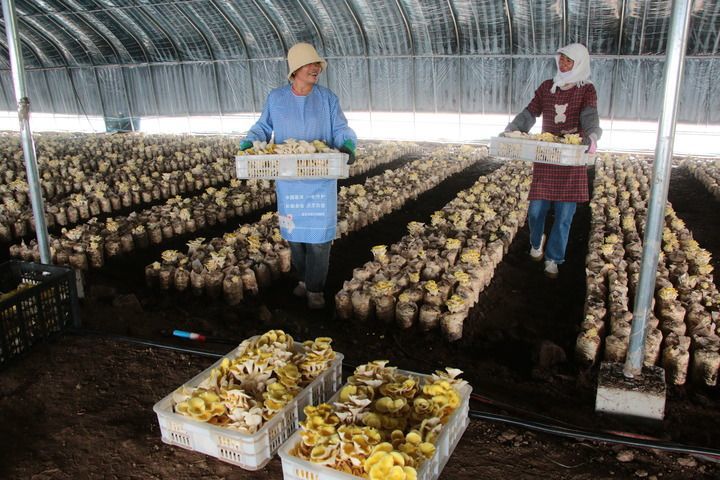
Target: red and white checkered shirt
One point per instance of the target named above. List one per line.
(561, 115)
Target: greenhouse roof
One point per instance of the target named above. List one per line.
(203, 56)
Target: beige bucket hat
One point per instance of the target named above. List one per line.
(300, 55)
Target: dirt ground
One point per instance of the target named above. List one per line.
(80, 405)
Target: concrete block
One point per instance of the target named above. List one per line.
(642, 396)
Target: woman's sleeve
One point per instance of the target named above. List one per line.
(589, 118)
(341, 132)
(535, 107)
(525, 120)
(263, 128)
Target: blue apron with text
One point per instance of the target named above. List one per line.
(307, 210)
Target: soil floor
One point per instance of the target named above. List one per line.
(81, 404)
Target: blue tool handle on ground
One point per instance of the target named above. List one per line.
(189, 335)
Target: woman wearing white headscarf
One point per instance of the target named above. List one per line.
(568, 105)
(307, 209)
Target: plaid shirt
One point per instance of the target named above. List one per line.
(561, 115)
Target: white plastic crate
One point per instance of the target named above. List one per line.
(541, 152)
(293, 167)
(250, 452)
(295, 468)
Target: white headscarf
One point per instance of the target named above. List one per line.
(580, 73)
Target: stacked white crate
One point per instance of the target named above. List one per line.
(292, 166)
(295, 468)
(541, 152)
(250, 452)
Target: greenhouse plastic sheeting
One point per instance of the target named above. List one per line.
(135, 58)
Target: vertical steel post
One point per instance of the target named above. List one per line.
(31, 168)
(660, 180)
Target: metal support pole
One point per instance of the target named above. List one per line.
(31, 168)
(661, 178)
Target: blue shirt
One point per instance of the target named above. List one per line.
(307, 209)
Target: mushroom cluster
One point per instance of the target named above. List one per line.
(686, 305)
(246, 391)
(254, 255)
(435, 273)
(383, 424)
(707, 172)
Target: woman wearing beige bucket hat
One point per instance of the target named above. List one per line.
(307, 209)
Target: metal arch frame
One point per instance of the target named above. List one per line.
(408, 32)
(84, 15)
(212, 58)
(706, 40)
(510, 29)
(512, 62)
(83, 34)
(280, 38)
(565, 21)
(621, 27)
(366, 45)
(301, 4)
(46, 34)
(475, 24)
(61, 28)
(532, 26)
(122, 71)
(717, 43)
(461, 70)
(147, 62)
(616, 65)
(111, 34)
(453, 16)
(122, 7)
(45, 68)
(642, 28)
(130, 31)
(115, 51)
(31, 47)
(283, 44)
(244, 44)
(587, 26)
(181, 62)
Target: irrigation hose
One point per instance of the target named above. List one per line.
(579, 434)
(621, 438)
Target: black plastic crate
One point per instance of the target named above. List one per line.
(45, 304)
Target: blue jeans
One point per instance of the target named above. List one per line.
(311, 261)
(558, 238)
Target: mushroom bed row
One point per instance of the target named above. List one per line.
(435, 274)
(84, 176)
(90, 243)
(682, 328)
(707, 172)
